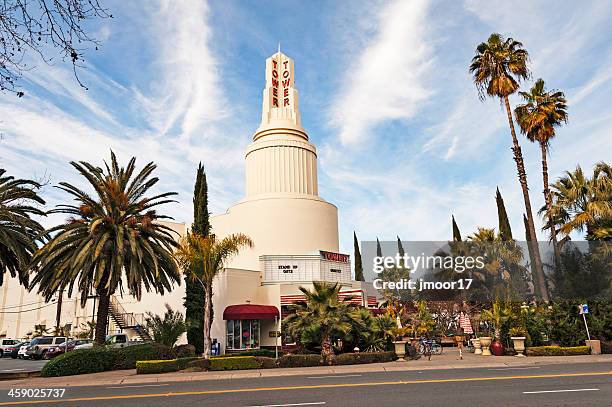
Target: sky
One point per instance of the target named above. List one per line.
(385, 94)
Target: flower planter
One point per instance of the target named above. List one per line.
(518, 343)
(477, 346)
(400, 348)
(485, 341)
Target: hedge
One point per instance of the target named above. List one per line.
(163, 366)
(257, 352)
(300, 360)
(234, 363)
(365, 357)
(100, 359)
(558, 351)
(184, 351)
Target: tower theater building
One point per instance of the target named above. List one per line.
(294, 230)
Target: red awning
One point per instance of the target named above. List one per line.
(250, 311)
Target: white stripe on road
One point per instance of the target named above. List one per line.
(140, 385)
(557, 391)
(316, 403)
(517, 368)
(12, 370)
(333, 377)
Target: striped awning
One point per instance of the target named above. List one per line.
(356, 297)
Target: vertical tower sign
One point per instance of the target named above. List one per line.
(280, 101)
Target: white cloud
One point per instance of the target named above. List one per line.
(385, 82)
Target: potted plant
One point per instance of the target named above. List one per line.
(477, 345)
(518, 334)
(399, 345)
(497, 316)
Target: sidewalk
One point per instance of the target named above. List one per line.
(448, 360)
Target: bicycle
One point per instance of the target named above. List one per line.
(428, 347)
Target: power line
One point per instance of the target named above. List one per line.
(28, 310)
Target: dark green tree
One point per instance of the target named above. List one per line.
(400, 248)
(505, 232)
(194, 292)
(378, 248)
(358, 263)
(456, 233)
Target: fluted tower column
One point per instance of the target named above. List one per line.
(280, 161)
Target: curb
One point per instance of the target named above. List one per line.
(18, 375)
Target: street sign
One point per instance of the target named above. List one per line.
(584, 308)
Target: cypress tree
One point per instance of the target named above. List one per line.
(358, 264)
(378, 249)
(400, 248)
(194, 292)
(505, 232)
(456, 233)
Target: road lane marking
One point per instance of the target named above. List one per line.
(13, 370)
(137, 385)
(517, 368)
(304, 387)
(314, 403)
(557, 391)
(333, 377)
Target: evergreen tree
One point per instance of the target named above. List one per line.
(400, 248)
(456, 233)
(505, 233)
(378, 248)
(358, 264)
(194, 292)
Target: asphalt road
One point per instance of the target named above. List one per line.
(545, 385)
(8, 365)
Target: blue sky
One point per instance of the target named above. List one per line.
(385, 95)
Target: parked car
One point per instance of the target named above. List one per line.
(5, 345)
(40, 345)
(54, 351)
(21, 353)
(13, 350)
(113, 341)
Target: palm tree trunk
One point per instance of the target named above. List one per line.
(207, 319)
(58, 310)
(102, 317)
(326, 348)
(533, 243)
(548, 200)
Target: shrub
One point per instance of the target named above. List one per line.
(300, 360)
(100, 359)
(266, 362)
(258, 352)
(162, 366)
(199, 364)
(156, 366)
(79, 362)
(558, 351)
(184, 351)
(126, 358)
(365, 357)
(234, 363)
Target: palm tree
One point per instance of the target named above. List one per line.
(323, 313)
(537, 118)
(112, 238)
(497, 315)
(580, 203)
(498, 67)
(18, 230)
(203, 258)
(168, 329)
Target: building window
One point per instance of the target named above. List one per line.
(242, 334)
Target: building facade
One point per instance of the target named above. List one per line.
(294, 230)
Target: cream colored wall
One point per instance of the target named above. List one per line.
(280, 225)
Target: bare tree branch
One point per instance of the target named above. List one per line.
(37, 26)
